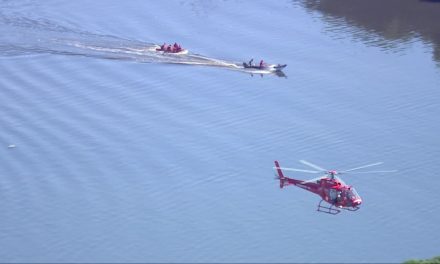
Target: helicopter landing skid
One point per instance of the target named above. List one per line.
(328, 210)
(351, 208)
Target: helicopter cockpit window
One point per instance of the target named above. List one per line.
(352, 194)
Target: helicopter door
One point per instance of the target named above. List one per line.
(333, 194)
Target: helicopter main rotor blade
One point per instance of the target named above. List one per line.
(298, 170)
(316, 167)
(361, 167)
(385, 171)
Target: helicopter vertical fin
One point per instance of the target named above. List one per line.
(280, 174)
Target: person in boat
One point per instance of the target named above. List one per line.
(161, 47)
(169, 48)
(261, 64)
(250, 62)
(175, 47)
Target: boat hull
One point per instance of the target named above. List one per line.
(157, 49)
(267, 67)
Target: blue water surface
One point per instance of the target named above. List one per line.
(120, 157)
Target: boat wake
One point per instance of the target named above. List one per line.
(26, 36)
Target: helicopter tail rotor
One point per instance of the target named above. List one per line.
(280, 175)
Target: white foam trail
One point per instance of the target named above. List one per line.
(23, 37)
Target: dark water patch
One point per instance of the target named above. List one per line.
(398, 21)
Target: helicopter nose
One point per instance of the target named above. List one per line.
(357, 202)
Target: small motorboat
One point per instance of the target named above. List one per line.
(267, 67)
(171, 49)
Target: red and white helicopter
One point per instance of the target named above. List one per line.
(329, 186)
